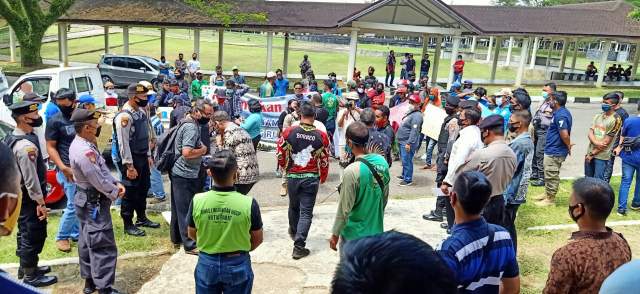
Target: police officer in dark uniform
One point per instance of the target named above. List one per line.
(131, 125)
(32, 223)
(96, 189)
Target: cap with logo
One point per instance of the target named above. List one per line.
(23, 107)
(81, 115)
(136, 88)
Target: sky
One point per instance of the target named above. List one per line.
(456, 2)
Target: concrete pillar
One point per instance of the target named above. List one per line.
(220, 46)
(163, 42)
(634, 70)
(285, 61)
(473, 44)
(509, 50)
(496, 56)
(12, 45)
(546, 65)
(534, 52)
(603, 63)
(125, 40)
(563, 56)
(523, 61)
(269, 50)
(353, 50)
(489, 48)
(425, 44)
(436, 61)
(196, 42)
(575, 55)
(454, 55)
(62, 43)
(106, 40)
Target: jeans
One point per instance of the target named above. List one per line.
(302, 199)
(217, 273)
(457, 77)
(432, 143)
(608, 170)
(69, 226)
(407, 162)
(595, 168)
(493, 212)
(388, 82)
(625, 184)
(157, 187)
(510, 212)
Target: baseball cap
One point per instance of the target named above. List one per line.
(81, 114)
(23, 107)
(504, 92)
(415, 98)
(453, 100)
(352, 96)
(271, 75)
(136, 88)
(235, 67)
(33, 96)
(147, 86)
(86, 98)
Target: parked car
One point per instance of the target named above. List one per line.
(123, 70)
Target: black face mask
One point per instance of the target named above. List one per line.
(36, 122)
(461, 123)
(449, 110)
(66, 110)
(142, 103)
(98, 131)
(379, 91)
(513, 127)
(575, 217)
(203, 120)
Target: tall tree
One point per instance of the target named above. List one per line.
(29, 20)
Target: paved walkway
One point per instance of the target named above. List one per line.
(275, 270)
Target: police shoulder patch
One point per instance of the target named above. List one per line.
(124, 121)
(32, 152)
(91, 156)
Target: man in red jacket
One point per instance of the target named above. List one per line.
(458, 69)
(303, 152)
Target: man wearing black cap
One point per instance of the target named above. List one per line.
(496, 161)
(131, 125)
(39, 131)
(448, 130)
(32, 223)
(96, 189)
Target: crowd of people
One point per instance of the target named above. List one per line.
(489, 148)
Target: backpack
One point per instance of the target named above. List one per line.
(164, 156)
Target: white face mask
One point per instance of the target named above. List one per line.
(111, 91)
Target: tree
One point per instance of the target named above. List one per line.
(29, 20)
(634, 14)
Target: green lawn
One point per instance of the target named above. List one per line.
(536, 247)
(156, 239)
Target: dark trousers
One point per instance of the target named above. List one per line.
(493, 212)
(256, 141)
(451, 217)
(595, 168)
(387, 81)
(135, 198)
(540, 139)
(32, 233)
(441, 205)
(97, 245)
(609, 168)
(302, 199)
(182, 192)
(510, 212)
(244, 188)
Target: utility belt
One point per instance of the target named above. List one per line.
(93, 195)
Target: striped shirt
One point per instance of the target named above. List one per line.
(463, 252)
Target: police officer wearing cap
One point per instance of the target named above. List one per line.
(32, 223)
(496, 161)
(59, 134)
(131, 125)
(96, 189)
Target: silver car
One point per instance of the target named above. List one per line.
(123, 70)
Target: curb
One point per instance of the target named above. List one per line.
(75, 260)
(585, 100)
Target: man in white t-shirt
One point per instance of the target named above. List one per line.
(347, 115)
(193, 65)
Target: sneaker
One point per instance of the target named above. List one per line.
(432, 217)
(300, 252)
(63, 245)
(404, 184)
(194, 251)
(147, 223)
(634, 207)
(399, 178)
(444, 226)
(622, 212)
(156, 200)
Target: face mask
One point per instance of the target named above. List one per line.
(449, 110)
(606, 107)
(482, 136)
(142, 103)
(499, 100)
(36, 122)
(432, 97)
(360, 90)
(461, 123)
(313, 88)
(66, 110)
(513, 127)
(545, 95)
(111, 91)
(552, 104)
(194, 58)
(575, 218)
(98, 131)
(203, 120)
(381, 123)
(379, 91)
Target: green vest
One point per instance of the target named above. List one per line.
(223, 221)
(367, 214)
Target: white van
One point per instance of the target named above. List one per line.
(45, 82)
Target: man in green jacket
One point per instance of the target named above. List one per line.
(363, 194)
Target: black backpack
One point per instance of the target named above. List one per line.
(164, 156)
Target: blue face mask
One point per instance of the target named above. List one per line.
(499, 101)
(432, 97)
(545, 95)
(606, 107)
(219, 83)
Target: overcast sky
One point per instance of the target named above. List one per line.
(457, 2)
